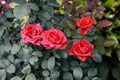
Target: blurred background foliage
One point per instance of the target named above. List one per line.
(28, 62)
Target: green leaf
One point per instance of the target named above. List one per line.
(2, 74)
(92, 72)
(55, 74)
(109, 3)
(110, 42)
(82, 64)
(118, 54)
(65, 65)
(4, 63)
(23, 56)
(44, 16)
(51, 63)
(17, 61)
(97, 78)
(103, 70)
(28, 50)
(36, 65)
(116, 73)
(20, 11)
(63, 54)
(97, 58)
(77, 37)
(53, 3)
(78, 73)
(2, 18)
(30, 76)
(8, 24)
(11, 69)
(11, 58)
(15, 48)
(74, 63)
(49, 25)
(71, 24)
(32, 19)
(27, 69)
(20, 1)
(86, 78)
(1, 31)
(44, 64)
(33, 6)
(45, 73)
(101, 49)
(108, 51)
(99, 41)
(16, 78)
(67, 76)
(47, 78)
(9, 14)
(57, 56)
(33, 60)
(7, 46)
(91, 32)
(67, 32)
(48, 9)
(37, 54)
(2, 50)
(60, 1)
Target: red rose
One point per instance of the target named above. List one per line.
(54, 38)
(82, 49)
(32, 34)
(85, 24)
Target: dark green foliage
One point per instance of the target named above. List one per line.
(28, 62)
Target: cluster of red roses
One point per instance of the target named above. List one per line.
(82, 49)
(4, 5)
(53, 38)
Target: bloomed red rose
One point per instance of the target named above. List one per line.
(54, 38)
(82, 49)
(85, 24)
(32, 34)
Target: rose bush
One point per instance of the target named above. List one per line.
(59, 40)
